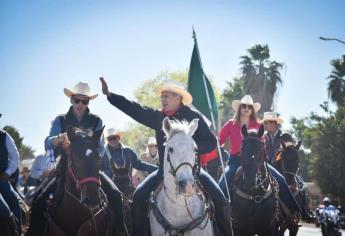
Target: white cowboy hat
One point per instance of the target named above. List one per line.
(152, 141)
(247, 99)
(272, 116)
(112, 132)
(80, 89)
(178, 88)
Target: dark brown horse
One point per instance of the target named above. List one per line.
(254, 191)
(287, 163)
(79, 206)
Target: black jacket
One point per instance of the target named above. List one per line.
(203, 137)
(125, 159)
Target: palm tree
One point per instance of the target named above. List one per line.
(336, 84)
(261, 76)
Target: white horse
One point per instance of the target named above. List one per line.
(178, 207)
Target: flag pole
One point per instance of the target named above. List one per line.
(212, 116)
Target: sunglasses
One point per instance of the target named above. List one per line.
(77, 101)
(270, 122)
(245, 106)
(114, 138)
(151, 146)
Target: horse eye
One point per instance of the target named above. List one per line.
(171, 150)
(88, 152)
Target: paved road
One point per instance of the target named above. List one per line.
(310, 230)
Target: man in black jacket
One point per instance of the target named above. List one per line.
(174, 100)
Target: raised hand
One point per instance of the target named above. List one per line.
(105, 89)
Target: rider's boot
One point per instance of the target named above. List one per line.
(223, 218)
(8, 226)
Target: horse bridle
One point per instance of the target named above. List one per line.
(173, 170)
(71, 173)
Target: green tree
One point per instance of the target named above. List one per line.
(25, 151)
(336, 84)
(325, 138)
(234, 90)
(261, 76)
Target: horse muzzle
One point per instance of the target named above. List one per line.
(185, 187)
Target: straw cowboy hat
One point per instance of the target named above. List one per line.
(151, 141)
(112, 132)
(247, 99)
(178, 88)
(80, 89)
(272, 116)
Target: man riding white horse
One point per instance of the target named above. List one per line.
(175, 99)
(78, 116)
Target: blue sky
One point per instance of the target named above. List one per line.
(48, 45)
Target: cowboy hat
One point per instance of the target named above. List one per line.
(272, 116)
(247, 99)
(176, 87)
(25, 169)
(151, 141)
(112, 132)
(80, 89)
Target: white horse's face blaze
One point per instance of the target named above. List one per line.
(182, 151)
(180, 156)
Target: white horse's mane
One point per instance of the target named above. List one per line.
(178, 127)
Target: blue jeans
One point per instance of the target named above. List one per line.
(11, 198)
(5, 211)
(284, 192)
(142, 194)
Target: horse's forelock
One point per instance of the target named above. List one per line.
(178, 127)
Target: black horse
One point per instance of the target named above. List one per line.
(287, 162)
(254, 191)
(79, 206)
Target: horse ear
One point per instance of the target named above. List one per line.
(193, 126)
(283, 144)
(261, 131)
(244, 131)
(97, 134)
(166, 125)
(298, 145)
(70, 133)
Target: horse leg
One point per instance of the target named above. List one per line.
(115, 204)
(293, 232)
(272, 231)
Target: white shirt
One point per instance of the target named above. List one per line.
(13, 155)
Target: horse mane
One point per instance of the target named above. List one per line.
(178, 127)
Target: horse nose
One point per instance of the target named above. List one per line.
(182, 184)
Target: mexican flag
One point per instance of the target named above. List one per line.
(200, 87)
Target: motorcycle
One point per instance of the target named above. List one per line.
(329, 220)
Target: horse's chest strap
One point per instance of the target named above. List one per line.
(174, 231)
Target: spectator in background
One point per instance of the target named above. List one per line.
(25, 180)
(149, 156)
(39, 168)
(121, 160)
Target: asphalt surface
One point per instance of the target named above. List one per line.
(310, 230)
